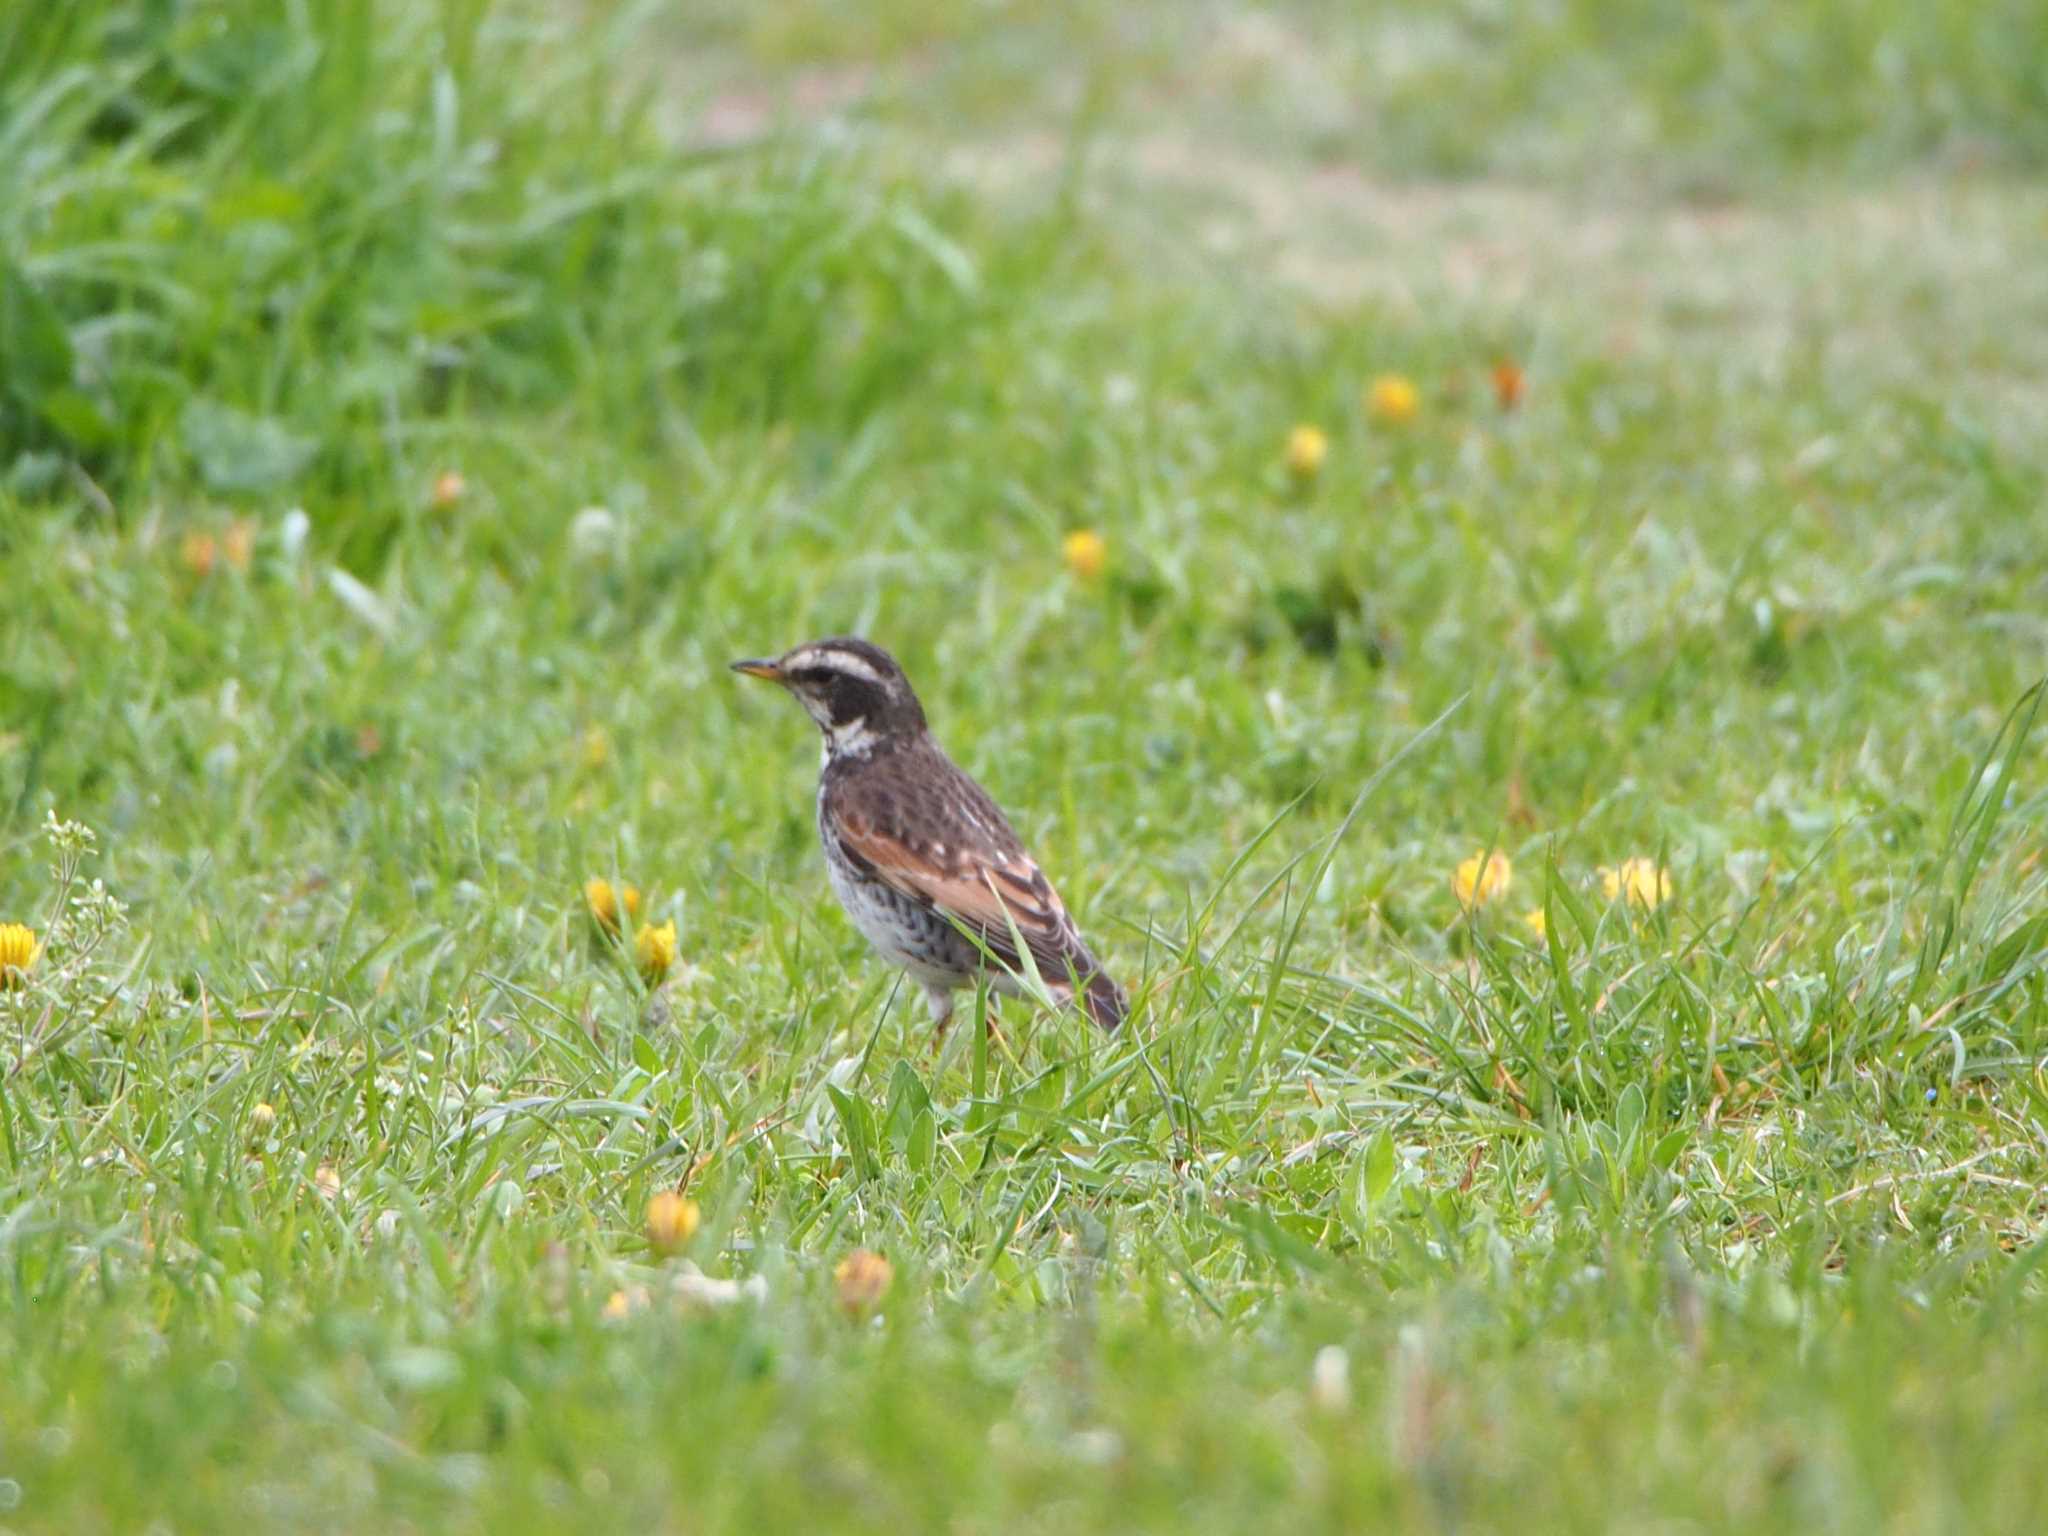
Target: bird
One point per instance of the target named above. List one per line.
(924, 862)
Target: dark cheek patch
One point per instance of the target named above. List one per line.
(849, 699)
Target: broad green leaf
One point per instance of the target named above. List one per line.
(1379, 1168)
(857, 1123)
(35, 350)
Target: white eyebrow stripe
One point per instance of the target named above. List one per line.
(847, 662)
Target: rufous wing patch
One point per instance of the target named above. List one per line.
(988, 896)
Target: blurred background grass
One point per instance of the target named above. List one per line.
(405, 410)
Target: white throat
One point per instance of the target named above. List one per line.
(846, 738)
(850, 738)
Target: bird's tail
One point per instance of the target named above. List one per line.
(1104, 1001)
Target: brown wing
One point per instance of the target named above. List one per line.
(966, 864)
(985, 893)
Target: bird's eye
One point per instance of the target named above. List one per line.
(814, 676)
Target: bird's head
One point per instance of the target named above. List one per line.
(854, 690)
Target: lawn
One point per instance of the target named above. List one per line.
(1572, 822)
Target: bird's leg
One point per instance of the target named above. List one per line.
(941, 1001)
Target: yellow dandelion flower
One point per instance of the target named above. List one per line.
(1508, 383)
(261, 1119)
(1085, 553)
(621, 1304)
(863, 1278)
(18, 953)
(1537, 923)
(597, 747)
(1392, 399)
(655, 949)
(238, 544)
(1307, 447)
(1640, 880)
(449, 488)
(200, 553)
(672, 1220)
(604, 900)
(1481, 878)
(327, 1180)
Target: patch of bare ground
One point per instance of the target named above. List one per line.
(1929, 281)
(1910, 283)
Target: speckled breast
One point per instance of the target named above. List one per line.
(902, 931)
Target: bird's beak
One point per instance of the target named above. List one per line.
(772, 670)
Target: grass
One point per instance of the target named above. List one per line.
(406, 411)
